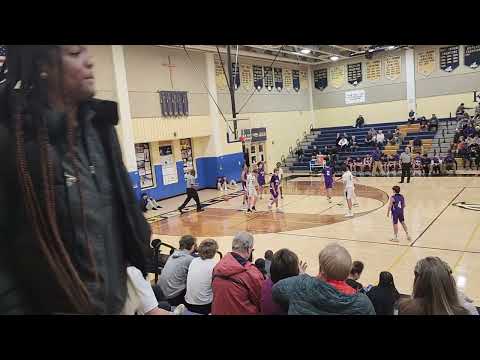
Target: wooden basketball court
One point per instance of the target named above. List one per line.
(443, 216)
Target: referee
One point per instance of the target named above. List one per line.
(406, 161)
(191, 192)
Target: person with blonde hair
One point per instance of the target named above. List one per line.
(325, 294)
(199, 294)
(434, 291)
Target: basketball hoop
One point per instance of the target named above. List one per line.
(239, 136)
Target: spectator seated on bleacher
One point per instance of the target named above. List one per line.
(460, 111)
(368, 164)
(434, 291)
(343, 143)
(417, 145)
(369, 139)
(199, 295)
(411, 117)
(389, 137)
(358, 165)
(380, 139)
(237, 283)
(417, 165)
(456, 137)
(384, 296)
(468, 131)
(173, 279)
(315, 151)
(449, 163)
(426, 164)
(354, 144)
(372, 132)
(472, 156)
(433, 123)
(423, 123)
(284, 264)
(436, 165)
(325, 294)
(299, 153)
(360, 122)
(148, 203)
(355, 273)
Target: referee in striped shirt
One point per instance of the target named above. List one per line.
(406, 162)
(191, 192)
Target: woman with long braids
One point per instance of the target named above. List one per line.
(69, 221)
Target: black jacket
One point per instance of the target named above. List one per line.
(24, 274)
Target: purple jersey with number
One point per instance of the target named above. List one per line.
(274, 184)
(261, 176)
(398, 204)
(328, 177)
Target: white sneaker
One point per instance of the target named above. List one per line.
(179, 309)
(349, 215)
(394, 239)
(279, 210)
(356, 204)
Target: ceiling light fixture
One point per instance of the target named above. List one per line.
(334, 58)
(306, 51)
(391, 47)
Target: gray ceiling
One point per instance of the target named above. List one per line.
(318, 54)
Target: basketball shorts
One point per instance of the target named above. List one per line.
(349, 193)
(328, 184)
(397, 216)
(252, 192)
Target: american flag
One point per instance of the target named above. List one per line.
(3, 54)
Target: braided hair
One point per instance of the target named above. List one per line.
(25, 94)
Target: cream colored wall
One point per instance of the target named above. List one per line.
(442, 106)
(373, 113)
(103, 71)
(162, 129)
(283, 130)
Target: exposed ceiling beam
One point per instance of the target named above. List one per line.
(283, 51)
(209, 48)
(346, 48)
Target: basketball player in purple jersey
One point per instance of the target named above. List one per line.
(261, 177)
(396, 207)
(328, 180)
(274, 189)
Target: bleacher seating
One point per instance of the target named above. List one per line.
(327, 137)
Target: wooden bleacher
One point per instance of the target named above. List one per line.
(390, 149)
(426, 145)
(407, 129)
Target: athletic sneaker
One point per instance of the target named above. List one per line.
(356, 204)
(349, 215)
(330, 201)
(200, 210)
(249, 211)
(279, 210)
(394, 239)
(181, 210)
(179, 309)
(253, 209)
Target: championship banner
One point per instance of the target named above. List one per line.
(337, 76)
(320, 79)
(296, 80)
(180, 102)
(449, 58)
(174, 103)
(185, 103)
(354, 72)
(168, 102)
(246, 78)
(287, 79)
(278, 76)
(471, 56)
(426, 62)
(374, 70)
(219, 75)
(236, 76)
(304, 79)
(163, 103)
(268, 77)
(393, 67)
(257, 77)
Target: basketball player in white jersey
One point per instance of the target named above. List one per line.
(347, 179)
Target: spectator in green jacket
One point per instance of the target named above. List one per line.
(325, 294)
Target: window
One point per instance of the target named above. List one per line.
(144, 165)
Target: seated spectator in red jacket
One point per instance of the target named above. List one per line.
(237, 283)
(284, 264)
(354, 275)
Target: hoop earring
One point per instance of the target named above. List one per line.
(43, 75)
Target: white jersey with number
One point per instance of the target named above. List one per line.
(280, 174)
(347, 179)
(251, 184)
